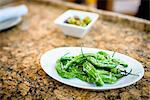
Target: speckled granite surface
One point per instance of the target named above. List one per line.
(21, 76)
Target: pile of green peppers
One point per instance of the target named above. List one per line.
(97, 68)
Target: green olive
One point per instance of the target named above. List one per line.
(71, 20)
(79, 22)
(82, 24)
(87, 20)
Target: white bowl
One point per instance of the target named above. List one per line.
(74, 30)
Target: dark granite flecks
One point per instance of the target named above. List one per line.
(21, 76)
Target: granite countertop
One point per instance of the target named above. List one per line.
(21, 76)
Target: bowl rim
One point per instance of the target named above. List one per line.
(58, 22)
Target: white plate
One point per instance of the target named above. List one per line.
(49, 58)
(9, 23)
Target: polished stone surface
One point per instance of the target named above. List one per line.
(21, 76)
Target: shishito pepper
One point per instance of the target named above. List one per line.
(91, 71)
(97, 68)
(63, 73)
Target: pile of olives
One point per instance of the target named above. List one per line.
(75, 20)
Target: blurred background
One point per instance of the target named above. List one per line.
(138, 8)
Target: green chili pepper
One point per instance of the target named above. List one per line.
(62, 72)
(99, 64)
(91, 71)
(94, 68)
